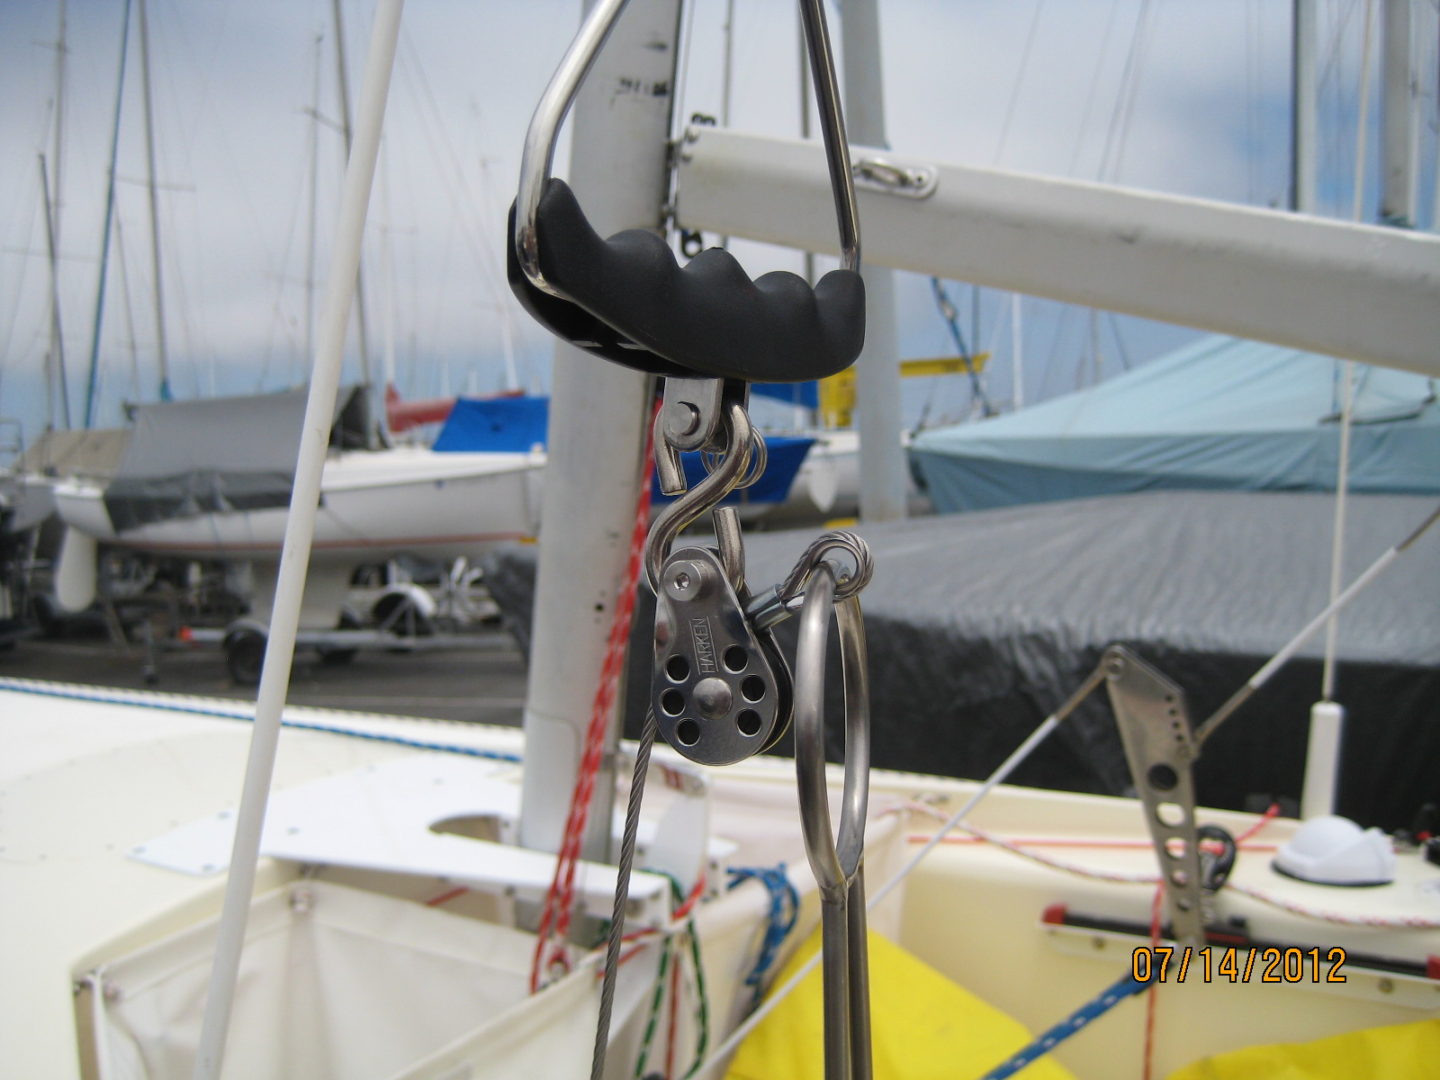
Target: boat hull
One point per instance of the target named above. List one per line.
(410, 500)
(78, 829)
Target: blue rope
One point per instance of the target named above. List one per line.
(784, 910)
(1091, 1010)
(226, 714)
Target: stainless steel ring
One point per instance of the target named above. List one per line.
(835, 858)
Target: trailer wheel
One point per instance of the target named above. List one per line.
(332, 656)
(402, 615)
(245, 656)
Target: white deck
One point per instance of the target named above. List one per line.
(87, 780)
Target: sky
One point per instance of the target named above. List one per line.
(1170, 95)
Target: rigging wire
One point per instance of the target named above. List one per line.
(1127, 125)
(457, 185)
(1117, 130)
(952, 322)
(1342, 478)
(1056, 338)
(1093, 93)
(282, 280)
(1113, 152)
(201, 66)
(1115, 332)
(1019, 80)
(1329, 76)
(680, 112)
(17, 290)
(1251, 92)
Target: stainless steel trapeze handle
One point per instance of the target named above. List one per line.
(837, 860)
(538, 155)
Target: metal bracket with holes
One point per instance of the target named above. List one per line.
(1160, 749)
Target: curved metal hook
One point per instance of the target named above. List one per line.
(739, 442)
(759, 459)
(539, 151)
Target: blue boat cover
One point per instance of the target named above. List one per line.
(1221, 414)
(508, 425)
(521, 423)
(804, 394)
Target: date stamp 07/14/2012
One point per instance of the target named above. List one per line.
(1271, 964)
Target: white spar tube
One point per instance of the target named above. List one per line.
(299, 534)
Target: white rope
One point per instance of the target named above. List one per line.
(1254, 893)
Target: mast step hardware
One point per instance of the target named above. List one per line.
(721, 692)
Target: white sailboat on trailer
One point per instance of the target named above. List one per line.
(378, 935)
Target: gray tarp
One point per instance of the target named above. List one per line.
(981, 624)
(215, 455)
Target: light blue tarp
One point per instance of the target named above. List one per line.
(1222, 414)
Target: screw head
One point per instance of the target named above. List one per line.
(713, 697)
(686, 580)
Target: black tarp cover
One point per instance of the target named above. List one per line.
(218, 455)
(979, 625)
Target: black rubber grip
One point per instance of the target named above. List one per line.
(635, 305)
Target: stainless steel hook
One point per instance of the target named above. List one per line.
(739, 444)
(539, 152)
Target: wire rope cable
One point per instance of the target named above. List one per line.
(622, 893)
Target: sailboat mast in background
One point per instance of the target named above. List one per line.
(158, 292)
(92, 377)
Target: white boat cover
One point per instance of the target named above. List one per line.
(215, 455)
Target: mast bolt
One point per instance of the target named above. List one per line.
(683, 418)
(687, 580)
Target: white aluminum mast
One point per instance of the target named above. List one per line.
(1334, 287)
(877, 371)
(1399, 175)
(1303, 106)
(598, 414)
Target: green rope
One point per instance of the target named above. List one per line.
(702, 1010)
(656, 1000)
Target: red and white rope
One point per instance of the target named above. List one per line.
(1321, 915)
(551, 952)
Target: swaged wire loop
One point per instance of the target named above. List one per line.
(847, 584)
